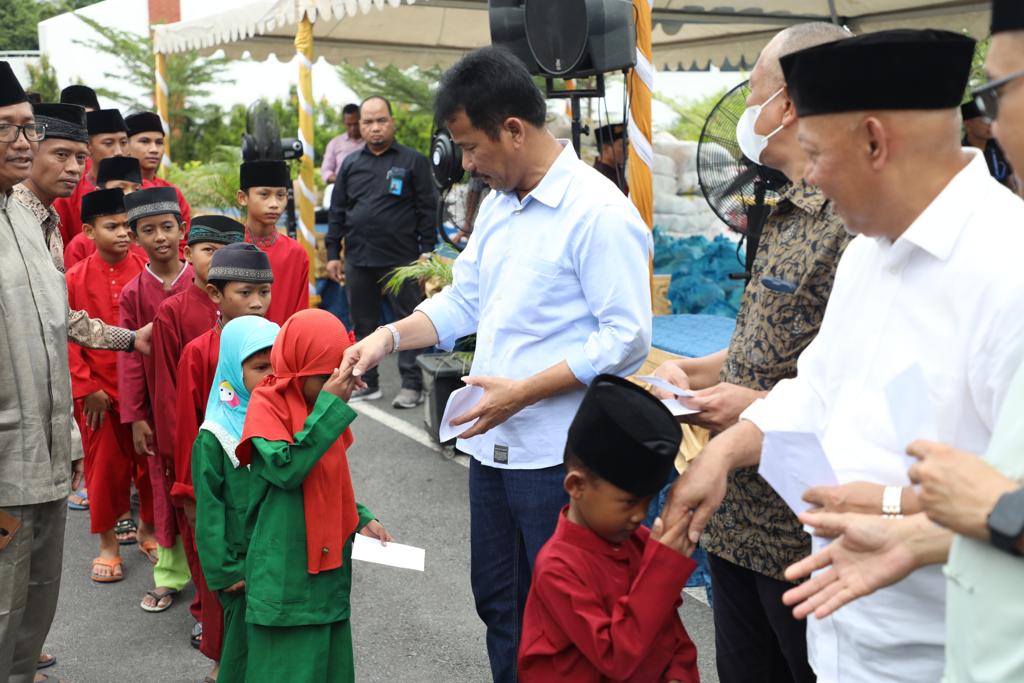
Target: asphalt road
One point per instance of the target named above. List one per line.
(408, 626)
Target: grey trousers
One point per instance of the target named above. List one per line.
(30, 568)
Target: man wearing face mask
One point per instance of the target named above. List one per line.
(755, 535)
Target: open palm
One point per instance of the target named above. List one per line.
(869, 553)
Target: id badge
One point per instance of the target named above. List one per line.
(396, 179)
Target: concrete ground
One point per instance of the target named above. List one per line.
(408, 626)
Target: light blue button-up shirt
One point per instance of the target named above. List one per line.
(560, 276)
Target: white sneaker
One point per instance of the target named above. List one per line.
(408, 398)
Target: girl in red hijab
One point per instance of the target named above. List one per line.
(302, 511)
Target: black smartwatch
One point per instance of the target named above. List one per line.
(1006, 521)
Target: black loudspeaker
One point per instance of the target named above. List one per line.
(566, 38)
(445, 160)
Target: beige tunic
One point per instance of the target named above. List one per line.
(35, 383)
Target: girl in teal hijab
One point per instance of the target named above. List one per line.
(222, 486)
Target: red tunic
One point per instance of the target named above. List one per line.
(70, 209)
(179, 320)
(290, 264)
(81, 246)
(140, 299)
(599, 612)
(95, 286)
(196, 370)
(186, 212)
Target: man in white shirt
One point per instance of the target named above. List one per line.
(555, 284)
(931, 286)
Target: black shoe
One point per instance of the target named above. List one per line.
(366, 394)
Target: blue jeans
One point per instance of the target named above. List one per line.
(333, 300)
(701, 576)
(512, 514)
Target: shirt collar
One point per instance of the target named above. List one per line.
(47, 216)
(938, 228)
(585, 539)
(805, 197)
(552, 186)
(366, 149)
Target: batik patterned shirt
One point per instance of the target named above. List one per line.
(781, 311)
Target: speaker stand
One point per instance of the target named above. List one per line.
(574, 96)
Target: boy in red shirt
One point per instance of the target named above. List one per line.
(603, 604)
(156, 223)
(263, 196)
(122, 173)
(180, 319)
(95, 285)
(146, 143)
(239, 283)
(108, 137)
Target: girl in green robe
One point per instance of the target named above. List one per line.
(302, 511)
(222, 484)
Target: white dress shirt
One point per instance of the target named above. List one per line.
(948, 295)
(560, 276)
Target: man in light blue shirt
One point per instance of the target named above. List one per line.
(555, 284)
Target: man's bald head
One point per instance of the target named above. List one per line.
(793, 39)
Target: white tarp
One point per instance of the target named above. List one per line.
(427, 32)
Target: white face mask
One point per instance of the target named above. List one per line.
(752, 143)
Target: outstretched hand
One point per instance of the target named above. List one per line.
(375, 529)
(342, 384)
(366, 354)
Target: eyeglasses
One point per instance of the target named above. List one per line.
(34, 132)
(987, 96)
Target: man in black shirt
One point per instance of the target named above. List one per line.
(384, 210)
(978, 133)
(611, 150)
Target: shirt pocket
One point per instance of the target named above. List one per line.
(276, 563)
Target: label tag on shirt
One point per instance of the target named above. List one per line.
(396, 179)
(501, 454)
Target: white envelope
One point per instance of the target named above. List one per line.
(659, 383)
(368, 549)
(792, 462)
(459, 403)
(676, 408)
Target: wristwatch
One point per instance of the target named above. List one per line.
(1006, 521)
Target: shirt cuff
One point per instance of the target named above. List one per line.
(759, 413)
(443, 324)
(581, 366)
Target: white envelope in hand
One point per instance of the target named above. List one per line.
(460, 402)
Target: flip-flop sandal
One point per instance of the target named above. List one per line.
(148, 548)
(197, 635)
(127, 526)
(83, 496)
(47, 678)
(115, 563)
(168, 594)
(45, 661)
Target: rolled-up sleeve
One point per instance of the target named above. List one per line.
(612, 256)
(455, 310)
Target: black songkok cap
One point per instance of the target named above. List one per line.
(66, 121)
(144, 122)
(609, 133)
(214, 228)
(625, 435)
(969, 110)
(153, 201)
(105, 121)
(34, 97)
(240, 262)
(82, 95)
(119, 168)
(264, 174)
(102, 203)
(11, 91)
(1007, 15)
(903, 69)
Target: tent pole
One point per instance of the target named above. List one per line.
(160, 100)
(305, 195)
(641, 154)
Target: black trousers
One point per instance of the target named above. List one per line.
(365, 289)
(757, 640)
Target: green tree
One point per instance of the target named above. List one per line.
(692, 114)
(189, 76)
(43, 80)
(20, 19)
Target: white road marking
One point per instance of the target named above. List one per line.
(405, 429)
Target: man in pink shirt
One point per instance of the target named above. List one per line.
(343, 145)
